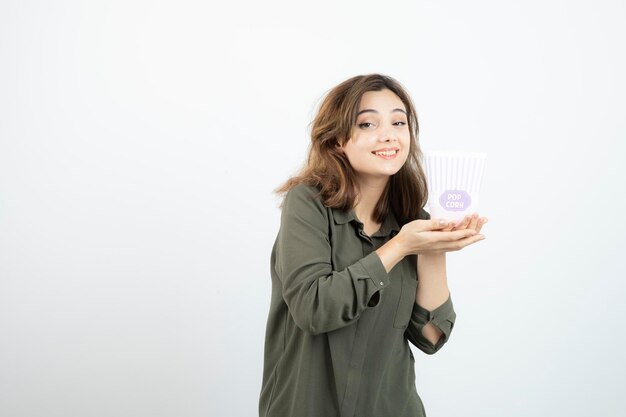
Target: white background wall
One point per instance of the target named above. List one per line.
(140, 142)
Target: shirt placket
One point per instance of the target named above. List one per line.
(359, 348)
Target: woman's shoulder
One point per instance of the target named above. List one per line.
(302, 210)
(302, 197)
(304, 190)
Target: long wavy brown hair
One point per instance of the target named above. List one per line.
(330, 171)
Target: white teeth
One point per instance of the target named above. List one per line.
(386, 153)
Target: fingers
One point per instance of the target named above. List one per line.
(458, 234)
(439, 224)
(470, 221)
(473, 239)
(481, 223)
(469, 240)
(449, 227)
(458, 244)
(462, 224)
(456, 224)
(474, 221)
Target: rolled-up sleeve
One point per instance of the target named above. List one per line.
(319, 298)
(442, 317)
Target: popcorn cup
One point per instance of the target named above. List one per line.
(454, 180)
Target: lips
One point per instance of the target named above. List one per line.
(382, 156)
(386, 149)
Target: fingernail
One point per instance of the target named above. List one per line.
(443, 222)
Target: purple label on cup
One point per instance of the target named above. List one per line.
(455, 200)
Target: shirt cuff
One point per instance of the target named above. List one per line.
(442, 317)
(374, 267)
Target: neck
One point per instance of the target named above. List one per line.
(370, 192)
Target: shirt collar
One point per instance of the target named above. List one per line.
(390, 223)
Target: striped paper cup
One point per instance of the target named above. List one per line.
(454, 180)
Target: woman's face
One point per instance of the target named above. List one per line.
(381, 124)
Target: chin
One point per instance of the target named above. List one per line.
(393, 172)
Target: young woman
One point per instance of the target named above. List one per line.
(358, 267)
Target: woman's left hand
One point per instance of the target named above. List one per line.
(470, 221)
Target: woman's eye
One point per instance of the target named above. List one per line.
(362, 125)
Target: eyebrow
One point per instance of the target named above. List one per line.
(374, 111)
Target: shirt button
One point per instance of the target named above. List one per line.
(381, 283)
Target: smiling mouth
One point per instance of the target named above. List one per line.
(386, 155)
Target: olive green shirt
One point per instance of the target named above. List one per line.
(336, 341)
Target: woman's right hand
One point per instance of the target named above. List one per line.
(429, 236)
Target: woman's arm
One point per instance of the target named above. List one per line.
(433, 314)
(321, 299)
(432, 289)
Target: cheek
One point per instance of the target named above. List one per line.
(360, 149)
(360, 159)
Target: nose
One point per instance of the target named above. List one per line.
(389, 134)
